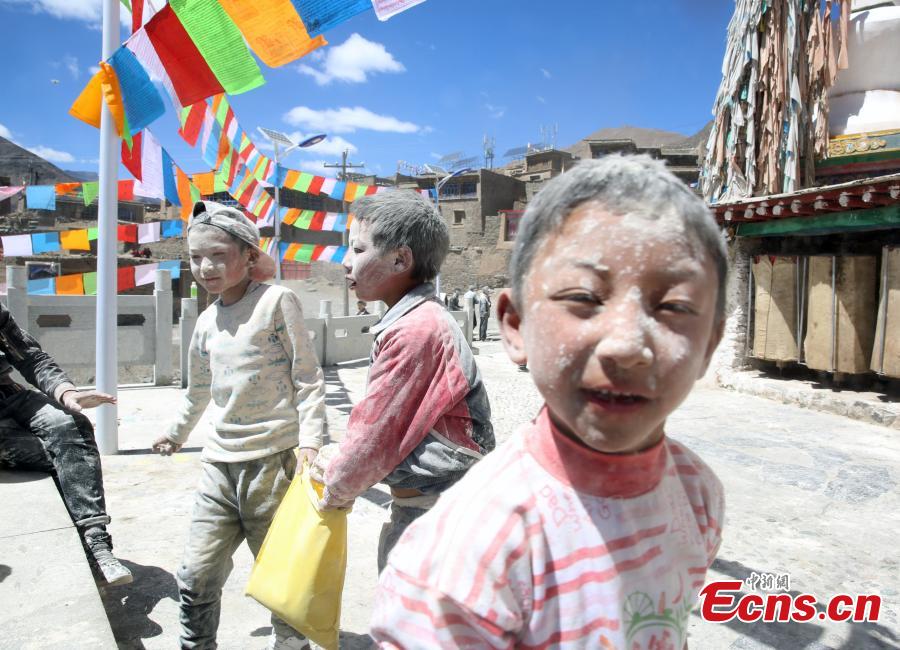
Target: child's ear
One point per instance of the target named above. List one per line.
(403, 259)
(511, 327)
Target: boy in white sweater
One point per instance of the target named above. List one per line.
(590, 528)
(251, 356)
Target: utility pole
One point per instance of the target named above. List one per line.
(345, 236)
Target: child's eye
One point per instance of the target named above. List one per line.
(677, 308)
(357, 251)
(581, 297)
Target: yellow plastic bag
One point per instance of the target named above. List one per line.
(299, 571)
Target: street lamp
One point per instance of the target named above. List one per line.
(438, 184)
(278, 140)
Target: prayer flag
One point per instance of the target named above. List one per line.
(304, 253)
(89, 282)
(340, 224)
(291, 216)
(152, 181)
(93, 233)
(8, 192)
(220, 43)
(317, 220)
(143, 103)
(349, 191)
(17, 245)
(321, 15)
(148, 232)
(137, 15)
(64, 189)
(185, 194)
(112, 95)
(42, 287)
(170, 185)
(290, 178)
(171, 228)
(304, 182)
(327, 186)
(337, 192)
(326, 253)
(330, 219)
(317, 252)
(89, 191)
(75, 240)
(191, 122)
(40, 197)
(70, 285)
(126, 190)
(385, 9)
(45, 242)
(190, 74)
(127, 233)
(145, 274)
(131, 156)
(305, 218)
(273, 30)
(125, 278)
(291, 251)
(204, 182)
(339, 254)
(86, 106)
(173, 266)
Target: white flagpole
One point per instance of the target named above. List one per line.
(107, 433)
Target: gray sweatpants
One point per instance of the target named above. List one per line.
(404, 511)
(234, 502)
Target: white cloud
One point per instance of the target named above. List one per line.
(87, 10)
(53, 155)
(315, 167)
(70, 63)
(346, 120)
(352, 62)
(541, 99)
(436, 156)
(495, 111)
(94, 69)
(546, 73)
(5, 133)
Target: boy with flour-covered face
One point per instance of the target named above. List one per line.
(590, 528)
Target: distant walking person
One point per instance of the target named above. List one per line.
(484, 312)
(361, 308)
(44, 430)
(469, 303)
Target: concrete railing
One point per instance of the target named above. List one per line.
(65, 326)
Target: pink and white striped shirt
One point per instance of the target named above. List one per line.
(546, 543)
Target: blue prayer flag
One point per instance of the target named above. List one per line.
(42, 287)
(45, 242)
(171, 228)
(338, 191)
(173, 266)
(40, 197)
(170, 186)
(143, 103)
(321, 15)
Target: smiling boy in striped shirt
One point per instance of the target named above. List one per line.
(589, 528)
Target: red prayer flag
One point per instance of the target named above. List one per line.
(126, 276)
(316, 186)
(317, 252)
(128, 233)
(193, 124)
(131, 158)
(126, 190)
(188, 70)
(371, 189)
(244, 199)
(137, 14)
(317, 221)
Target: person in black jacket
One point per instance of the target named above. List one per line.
(45, 430)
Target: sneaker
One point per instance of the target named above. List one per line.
(114, 572)
(293, 642)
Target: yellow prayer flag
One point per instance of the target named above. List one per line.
(62, 189)
(273, 30)
(74, 240)
(87, 107)
(205, 182)
(291, 216)
(112, 94)
(70, 285)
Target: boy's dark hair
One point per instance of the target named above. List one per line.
(622, 185)
(404, 218)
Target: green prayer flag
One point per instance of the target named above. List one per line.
(220, 43)
(304, 182)
(93, 234)
(195, 193)
(220, 180)
(127, 4)
(305, 253)
(90, 283)
(305, 218)
(89, 191)
(222, 111)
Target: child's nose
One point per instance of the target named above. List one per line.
(625, 339)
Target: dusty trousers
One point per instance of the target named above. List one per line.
(38, 434)
(234, 502)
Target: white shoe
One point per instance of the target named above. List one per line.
(293, 642)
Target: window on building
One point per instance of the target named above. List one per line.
(468, 189)
(459, 217)
(511, 229)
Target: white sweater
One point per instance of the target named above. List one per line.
(255, 361)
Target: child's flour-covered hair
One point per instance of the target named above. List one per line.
(404, 218)
(636, 186)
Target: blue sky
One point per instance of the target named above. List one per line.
(428, 82)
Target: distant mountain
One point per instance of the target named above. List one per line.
(20, 165)
(82, 175)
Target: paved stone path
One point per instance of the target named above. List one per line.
(809, 494)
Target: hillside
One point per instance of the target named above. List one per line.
(20, 165)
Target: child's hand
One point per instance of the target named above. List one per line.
(306, 455)
(165, 447)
